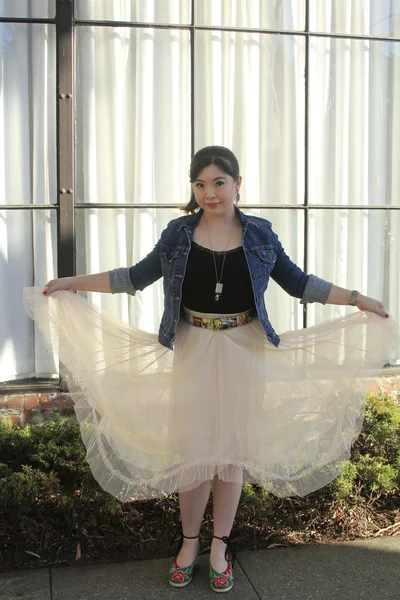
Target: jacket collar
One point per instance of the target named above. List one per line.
(191, 221)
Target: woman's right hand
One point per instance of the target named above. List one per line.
(65, 283)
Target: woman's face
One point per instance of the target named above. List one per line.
(215, 191)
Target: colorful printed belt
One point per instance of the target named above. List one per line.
(220, 322)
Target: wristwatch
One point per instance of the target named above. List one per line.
(353, 298)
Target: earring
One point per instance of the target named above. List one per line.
(237, 196)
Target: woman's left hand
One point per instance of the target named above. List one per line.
(366, 303)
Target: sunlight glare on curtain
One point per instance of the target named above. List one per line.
(256, 14)
(133, 115)
(354, 147)
(140, 228)
(379, 18)
(135, 11)
(365, 245)
(249, 96)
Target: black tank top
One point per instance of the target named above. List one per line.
(198, 290)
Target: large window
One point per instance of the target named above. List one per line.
(103, 102)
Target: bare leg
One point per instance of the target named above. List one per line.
(192, 506)
(226, 496)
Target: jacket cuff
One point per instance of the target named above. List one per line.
(120, 281)
(316, 290)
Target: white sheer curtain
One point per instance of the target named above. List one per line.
(39, 9)
(354, 153)
(358, 17)
(138, 11)
(354, 150)
(133, 146)
(134, 138)
(27, 176)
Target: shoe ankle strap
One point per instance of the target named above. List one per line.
(190, 538)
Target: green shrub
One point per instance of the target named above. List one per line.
(343, 486)
(254, 494)
(375, 466)
(381, 429)
(377, 475)
(44, 462)
(27, 487)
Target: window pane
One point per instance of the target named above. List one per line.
(354, 142)
(355, 249)
(24, 9)
(251, 14)
(249, 96)
(358, 17)
(133, 115)
(28, 250)
(110, 238)
(28, 157)
(135, 11)
(285, 312)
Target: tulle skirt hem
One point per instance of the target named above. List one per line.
(223, 403)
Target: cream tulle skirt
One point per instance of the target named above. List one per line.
(156, 421)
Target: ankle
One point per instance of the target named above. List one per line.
(190, 543)
(218, 547)
(220, 541)
(221, 546)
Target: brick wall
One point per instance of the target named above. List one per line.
(36, 407)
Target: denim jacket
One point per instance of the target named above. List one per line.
(265, 258)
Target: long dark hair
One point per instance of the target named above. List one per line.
(211, 155)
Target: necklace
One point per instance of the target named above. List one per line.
(218, 286)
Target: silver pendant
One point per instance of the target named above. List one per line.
(218, 290)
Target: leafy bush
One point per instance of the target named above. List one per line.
(374, 469)
(343, 486)
(381, 430)
(254, 494)
(43, 463)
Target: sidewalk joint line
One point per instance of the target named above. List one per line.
(51, 583)
(248, 579)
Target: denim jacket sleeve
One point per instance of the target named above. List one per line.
(138, 277)
(296, 282)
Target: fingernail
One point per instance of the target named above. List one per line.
(386, 316)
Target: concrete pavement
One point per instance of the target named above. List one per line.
(360, 570)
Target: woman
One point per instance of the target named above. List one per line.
(234, 401)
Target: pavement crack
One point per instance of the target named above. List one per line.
(248, 578)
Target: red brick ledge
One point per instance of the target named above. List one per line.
(34, 407)
(38, 407)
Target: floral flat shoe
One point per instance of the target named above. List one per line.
(182, 576)
(223, 582)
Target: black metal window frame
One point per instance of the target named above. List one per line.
(66, 205)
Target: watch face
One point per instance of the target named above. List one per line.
(353, 298)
